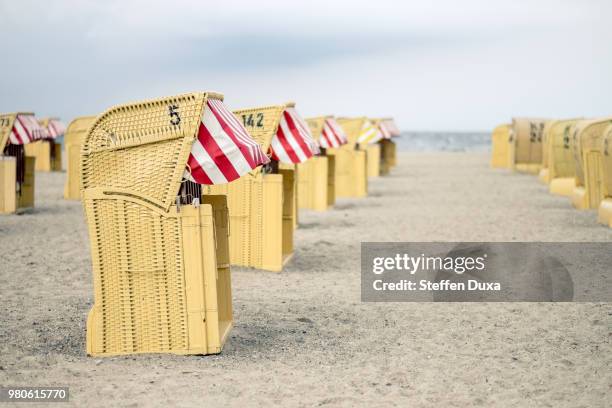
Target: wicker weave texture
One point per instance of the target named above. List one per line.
(593, 150)
(139, 148)
(352, 127)
(161, 272)
(262, 123)
(7, 121)
(73, 141)
(559, 144)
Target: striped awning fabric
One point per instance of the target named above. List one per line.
(391, 127)
(332, 135)
(56, 128)
(293, 142)
(223, 151)
(26, 129)
(370, 133)
(382, 126)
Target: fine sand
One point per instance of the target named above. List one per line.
(303, 337)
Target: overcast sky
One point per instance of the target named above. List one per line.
(433, 65)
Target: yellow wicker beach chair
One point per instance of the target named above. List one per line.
(593, 151)
(526, 149)
(261, 206)
(351, 163)
(47, 152)
(160, 257)
(587, 147)
(16, 170)
(73, 140)
(500, 147)
(560, 156)
(315, 185)
(388, 149)
(605, 207)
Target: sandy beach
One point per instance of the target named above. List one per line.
(303, 337)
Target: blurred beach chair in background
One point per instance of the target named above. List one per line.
(500, 147)
(159, 247)
(605, 207)
(73, 140)
(17, 130)
(47, 152)
(388, 148)
(543, 174)
(368, 141)
(316, 177)
(526, 146)
(350, 163)
(262, 206)
(587, 149)
(558, 149)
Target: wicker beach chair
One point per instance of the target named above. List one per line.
(387, 148)
(560, 159)
(590, 189)
(17, 130)
(315, 186)
(351, 162)
(605, 207)
(263, 206)
(73, 140)
(587, 151)
(46, 151)
(526, 149)
(500, 147)
(159, 248)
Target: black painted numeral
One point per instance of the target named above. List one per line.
(175, 118)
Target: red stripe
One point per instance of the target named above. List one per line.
(197, 172)
(280, 135)
(214, 151)
(297, 135)
(230, 133)
(25, 128)
(333, 138)
(14, 132)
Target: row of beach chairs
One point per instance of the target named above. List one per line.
(177, 189)
(572, 156)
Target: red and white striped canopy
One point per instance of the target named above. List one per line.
(55, 128)
(224, 151)
(26, 129)
(391, 127)
(293, 142)
(384, 130)
(332, 135)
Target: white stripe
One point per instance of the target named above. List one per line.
(239, 131)
(13, 138)
(335, 134)
(21, 131)
(304, 131)
(225, 143)
(206, 162)
(329, 138)
(339, 131)
(279, 150)
(291, 140)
